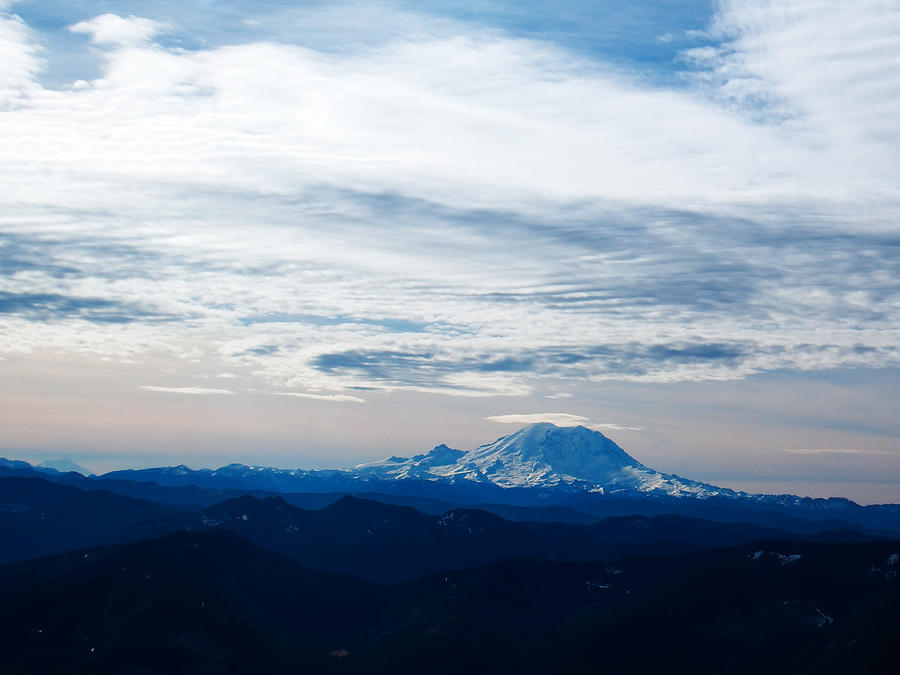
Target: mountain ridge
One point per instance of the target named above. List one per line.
(542, 456)
(538, 465)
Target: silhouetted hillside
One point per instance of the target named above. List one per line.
(214, 603)
(38, 517)
(389, 543)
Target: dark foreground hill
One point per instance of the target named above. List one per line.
(214, 603)
(388, 543)
(187, 603)
(363, 538)
(38, 517)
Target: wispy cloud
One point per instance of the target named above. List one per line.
(193, 391)
(599, 426)
(559, 419)
(834, 451)
(54, 306)
(339, 398)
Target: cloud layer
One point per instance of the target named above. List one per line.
(454, 208)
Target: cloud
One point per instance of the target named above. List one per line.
(599, 426)
(340, 398)
(53, 306)
(804, 62)
(452, 208)
(193, 391)
(21, 57)
(112, 29)
(435, 366)
(559, 419)
(833, 451)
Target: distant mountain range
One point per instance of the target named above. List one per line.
(540, 457)
(539, 465)
(63, 465)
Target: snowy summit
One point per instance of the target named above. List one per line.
(537, 456)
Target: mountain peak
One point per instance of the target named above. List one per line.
(440, 455)
(180, 468)
(350, 508)
(538, 455)
(63, 465)
(543, 452)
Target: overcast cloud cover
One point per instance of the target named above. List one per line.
(332, 204)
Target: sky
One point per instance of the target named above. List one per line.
(313, 234)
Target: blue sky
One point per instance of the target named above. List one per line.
(311, 234)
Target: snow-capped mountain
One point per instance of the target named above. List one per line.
(540, 456)
(562, 460)
(538, 465)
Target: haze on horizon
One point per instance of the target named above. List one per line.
(314, 234)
